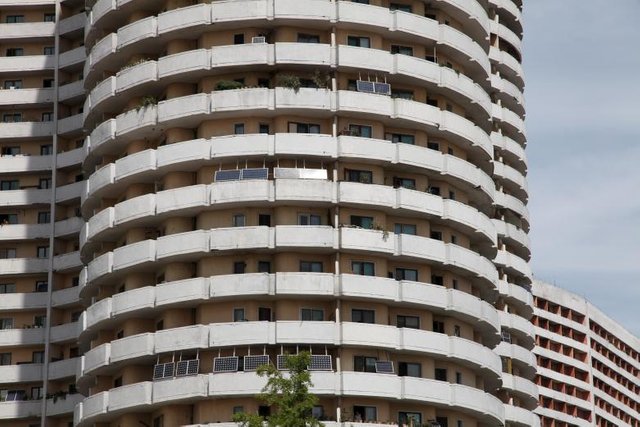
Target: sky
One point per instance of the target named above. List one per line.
(582, 75)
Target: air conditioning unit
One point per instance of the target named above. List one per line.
(259, 39)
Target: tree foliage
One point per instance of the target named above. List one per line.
(288, 393)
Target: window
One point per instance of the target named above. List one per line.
(431, 58)
(365, 413)
(434, 190)
(41, 286)
(44, 183)
(441, 374)
(6, 323)
(363, 268)
(361, 130)
(120, 334)
(264, 314)
(436, 279)
(47, 117)
(352, 175)
(39, 320)
(117, 382)
(49, 17)
(239, 267)
(452, 195)
(264, 220)
(363, 316)
(36, 393)
(10, 151)
(316, 314)
(12, 117)
(454, 284)
(304, 128)
(238, 315)
(412, 322)
(400, 7)
(47, 83)
(262, 82)
(5, 359)
(13, 84)
(364, 363)
(409, 418)
(407, 274)
(362, 221)
(238, 220)
(317, 412)
(75, 281)
(46, 149)
(405, 229)
(264, 411)
(43, 252)
(8, 219)
(37, 357)
(7, 288)
(399, 182)
(15, 19)
(309, 219)
(436, 235)
(263, 128)
(401, 138)
(308, 38)
(402, 94)
(460, 423)
(458, 377)
(358, 41)
(49, 50)
(434, 103)
(158, 421)
(7, 253)
(456, 330)
(237, 409)
(311, 266)
(264, 267)
(438, 326)
(44, 217)
(15, 51)
(402, 50)
(238, 39)
(238, 129)
(454, 239)
(443, 421)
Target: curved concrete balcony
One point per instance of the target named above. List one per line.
(147, 395)
(20, 163)
(21, 64)
(458, 46)
(513, 204)
(25, 97)
(67, 262)
(508, 94)
(572, 400)
(71, 91)
(24, 231)
(31, 130)
(20, 409)
(524, 359)
(27, 31)
(514, 236)
(520, 327)
(26, 197)
(508, 66)
(570, 419)
(23, 301)
(65, 297)
(28, 372)
(73, 58)
(510, 7)
(512, 179)
(518, 296)
(21, 337)
(70, 125)
(520, 417)
(71, 192)
(510, 123)
(506, 34)
(68, 227)
(66, 333)
(511, 150)
(63, 368)
(186, 245)
(23, 265)
(514, 265)
(193, 292)
(525, 390)
(70, 158)
(567, 379)
(72, 24)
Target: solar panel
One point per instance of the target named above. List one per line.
(384, 367)
(251, 363)
(281, 362)
(227, 175)
(256, 173)
(187, 367)
(225, 364)
(382, 88)
(163, 370)
(365, 86)
(320, 362)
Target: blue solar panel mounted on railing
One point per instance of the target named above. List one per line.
(251, 363)
(382, 88)
(255, 173)
(320, 362)
(225, 364)
(365, 86)
(227, 175)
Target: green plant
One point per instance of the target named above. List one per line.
(320, 79)
(147, 101)
(228, 85)
(289, 394)
(289, 81)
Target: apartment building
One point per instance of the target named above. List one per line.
(588, 364)
(193, 188)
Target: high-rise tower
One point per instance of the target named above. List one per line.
(270, 176)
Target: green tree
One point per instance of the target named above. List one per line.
(289, 393)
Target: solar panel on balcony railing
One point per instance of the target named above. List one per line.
(320, 362)
(365, 86)
(227, 175)
(225, 364)
(281, 362)
(251, 363)
(384, 367)
(187, 367)
(382, 88)
(163, 370)
(256, 173)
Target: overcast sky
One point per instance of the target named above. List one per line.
(582, 71)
